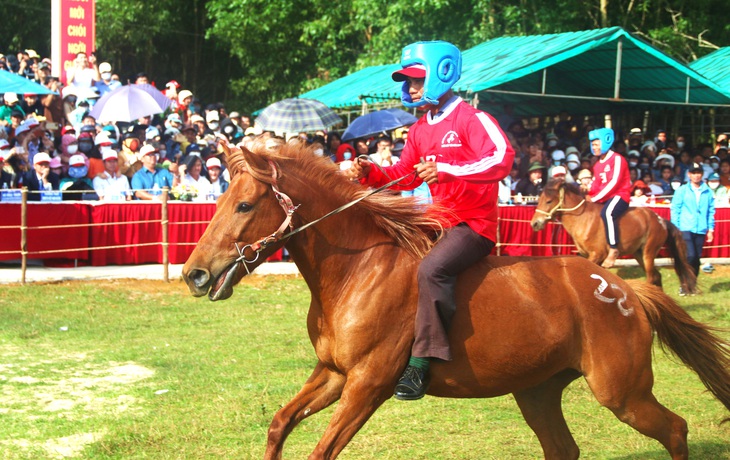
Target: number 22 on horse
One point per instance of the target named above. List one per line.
(526, 326)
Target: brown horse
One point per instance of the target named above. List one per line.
(527, 326)
(642, 233)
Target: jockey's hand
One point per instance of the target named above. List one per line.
(427, 172)
(360, 168)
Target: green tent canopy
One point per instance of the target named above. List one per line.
(593, 71)
(716, 67)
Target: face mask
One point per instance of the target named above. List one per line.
(72, 149)
(106, 76)
(633, 163)
(213, 126)
(714, 184)
(557, 162)
(675, 185)
(680, 145)
(347, 155)
(319, 152)
(715, 166)
(85, 147)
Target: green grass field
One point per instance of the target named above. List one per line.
(140, 369)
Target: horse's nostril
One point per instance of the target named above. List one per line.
(200, 277)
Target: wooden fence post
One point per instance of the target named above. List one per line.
(23, 233)
(165, 244)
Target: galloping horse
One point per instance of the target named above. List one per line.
(642, 232)
(527, 326)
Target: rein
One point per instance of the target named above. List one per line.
(557, 208)
(289, 208)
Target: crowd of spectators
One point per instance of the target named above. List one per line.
(51, 142)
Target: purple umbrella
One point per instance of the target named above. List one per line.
(126, 103)
(161, 99)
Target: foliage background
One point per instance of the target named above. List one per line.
(248, 53)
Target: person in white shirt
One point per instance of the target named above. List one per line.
(384, 154)
(191, 175)
(112, 186)
(218, 185)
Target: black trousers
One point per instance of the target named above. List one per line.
(458, 249)
(695, 242)
(612, 210)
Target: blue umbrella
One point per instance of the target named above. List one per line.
(126, 103)
(297, 115)
(12, 83)
(377, 122)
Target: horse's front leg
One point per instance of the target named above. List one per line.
(322, 388)
(366, 390)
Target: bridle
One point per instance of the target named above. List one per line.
(289, 208)
(557, 208)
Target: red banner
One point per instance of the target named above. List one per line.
(74, 31)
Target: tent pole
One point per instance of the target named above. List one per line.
(686, 94)
(544, 80)
(617, 79)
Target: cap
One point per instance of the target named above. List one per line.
(102, 139)
(536, 165)
(196, 118)
(253, 131)
(213, 162)
(4, 144)
(649, 144)
(558, 155)
(44, 65)
(174, 118)
(10, 98)
(41, 157)
(172, 84)
(105, 67)
(713, 176)
(55, 162)
(413, 71)
(571, 149)
(635, 132)
(573, 158)
(634, 153)
(696, 167)
(558, 171)
(585, 174)
(32, 54)
(184, 94)
(68, 129)
(188, 128)
(148, 149)
(23, 127)
(77, 160)
(234, 114)
(151, 132)
(110, 155)
(212, 116)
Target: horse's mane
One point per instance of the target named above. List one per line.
(570, 187)
(409, 223)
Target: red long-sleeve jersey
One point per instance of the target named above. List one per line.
(610, 178)
(472, 155)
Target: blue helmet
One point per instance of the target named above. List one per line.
(442, 62)
(605, 135)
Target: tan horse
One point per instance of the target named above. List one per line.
(642, 233)
(527, 326)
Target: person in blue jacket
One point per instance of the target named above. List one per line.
(693, 212)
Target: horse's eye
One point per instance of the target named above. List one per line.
(244, 207)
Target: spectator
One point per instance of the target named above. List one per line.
(585, 178)
(334, 140)
(142, 79)
(533, 184)
(693, 212)
(6, 178)
(112, 186)
(78, 180)
(345, 152)
(40, 178)
(84, 72)
(105, 83)
(212, 120)
(56, 167)
(661, 139)
(665, 180)
(190, 173)
(147, 183)
(640, 193)
(633, 158)
(11, 104)
(724, 172)
(384, 155)
(218, 185)
(184, 106)
(32, 106)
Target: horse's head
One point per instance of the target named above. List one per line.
(239, 237)
(548, 204)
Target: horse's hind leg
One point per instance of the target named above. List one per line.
(322, 388)
(632, 401)
(650, 251)
(542, 410)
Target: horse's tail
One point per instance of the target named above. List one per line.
(678, 251)
(693, 342)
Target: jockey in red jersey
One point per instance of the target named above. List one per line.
(462, 154)
(611, 186)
